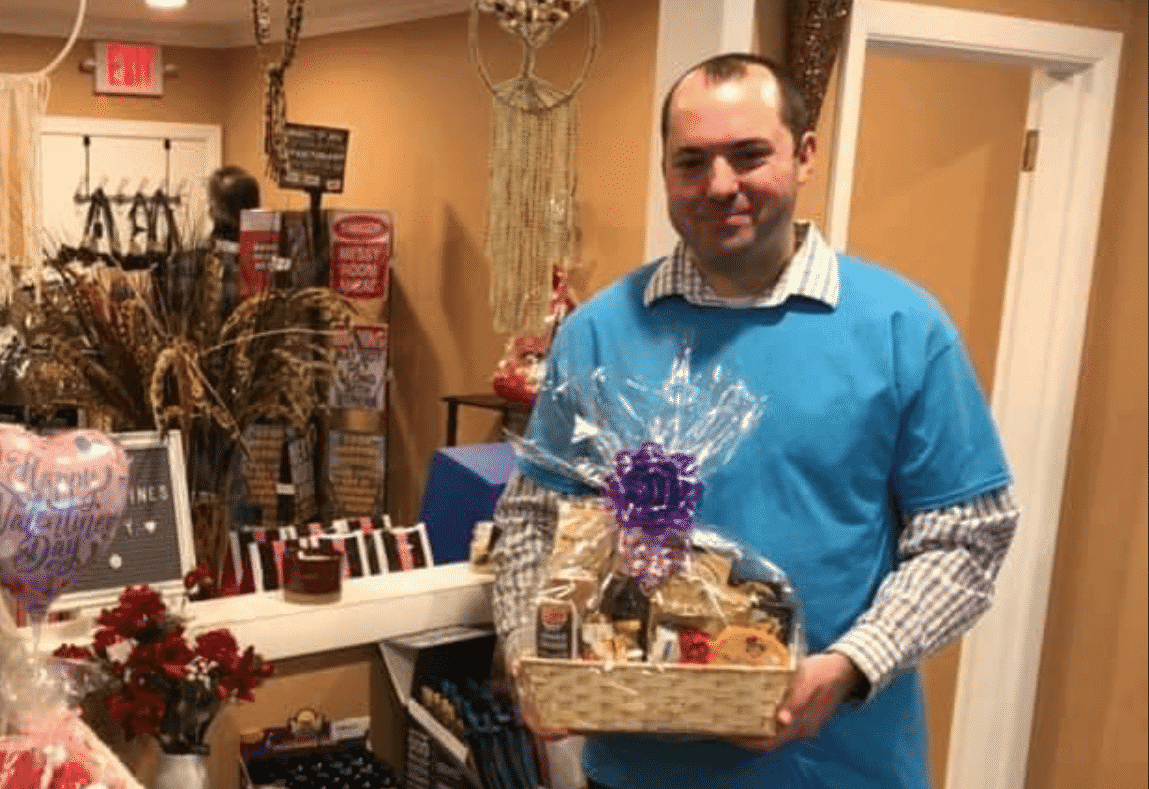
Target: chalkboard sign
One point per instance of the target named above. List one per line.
(154, 542)
(316, 158)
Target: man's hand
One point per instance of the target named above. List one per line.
(820, 686)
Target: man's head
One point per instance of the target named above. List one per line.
(231, 189)
(734, 66)
(736, 150)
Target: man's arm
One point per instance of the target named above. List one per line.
(944, 581)
(948, 561)
(526, 516)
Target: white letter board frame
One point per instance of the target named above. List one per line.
(156, 528)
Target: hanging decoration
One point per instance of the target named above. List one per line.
(23, 102)
(275, 98)
(532, 219)
(814, 33)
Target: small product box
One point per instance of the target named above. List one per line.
(280, 248)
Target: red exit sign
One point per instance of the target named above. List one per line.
(132, 69)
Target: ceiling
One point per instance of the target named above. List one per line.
(206, 23)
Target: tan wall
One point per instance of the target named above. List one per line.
(195, 96)
(420, 124)
(1091, 720)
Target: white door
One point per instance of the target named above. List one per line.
(1038, 357)
(123, 157)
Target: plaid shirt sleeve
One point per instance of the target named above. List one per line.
(526, 516)
(948, 562)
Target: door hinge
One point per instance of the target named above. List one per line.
(1029, 151)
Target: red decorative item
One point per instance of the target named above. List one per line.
(21, 769)
(520, 372)
(162, 683)
(695, 646)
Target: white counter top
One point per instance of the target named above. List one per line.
(369, 610)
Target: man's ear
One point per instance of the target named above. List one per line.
(806, 154)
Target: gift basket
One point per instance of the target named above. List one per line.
(644, 620)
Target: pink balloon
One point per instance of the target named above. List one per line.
(61, 499)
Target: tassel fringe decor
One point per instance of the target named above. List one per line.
(23, 99)
(532, 219)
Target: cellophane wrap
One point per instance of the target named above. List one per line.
(632, 577)
(43, 741)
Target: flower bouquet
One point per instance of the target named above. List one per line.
(161, 682)
(645, 620)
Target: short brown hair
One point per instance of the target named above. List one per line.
(733, 66)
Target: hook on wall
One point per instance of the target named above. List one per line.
(83, 193)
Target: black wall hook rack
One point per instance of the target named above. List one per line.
(120, 198)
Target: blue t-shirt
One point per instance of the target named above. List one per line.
(871, 408)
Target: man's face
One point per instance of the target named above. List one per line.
(731, 168)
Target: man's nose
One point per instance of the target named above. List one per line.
(722, 181)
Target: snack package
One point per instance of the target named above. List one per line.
(632, 578)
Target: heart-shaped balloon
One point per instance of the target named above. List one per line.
(61, 500)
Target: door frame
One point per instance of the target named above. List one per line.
(1072, 95)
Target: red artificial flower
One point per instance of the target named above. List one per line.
(243, 680)
(137, 710)
(219, 647)
(169, 656)
(140, 609)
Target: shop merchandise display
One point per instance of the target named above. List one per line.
(501, 746)
(646, 621)
(312, 752)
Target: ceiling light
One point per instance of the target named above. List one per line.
(167, 3)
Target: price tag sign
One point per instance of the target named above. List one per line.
(316, 158)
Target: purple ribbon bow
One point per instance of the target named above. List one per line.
(654, 497)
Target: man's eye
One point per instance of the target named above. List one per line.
(749, 158)
(688, 163)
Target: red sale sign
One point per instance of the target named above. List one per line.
(129, 69)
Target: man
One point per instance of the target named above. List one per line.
(875, 479)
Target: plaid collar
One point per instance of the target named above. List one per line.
(811, 273)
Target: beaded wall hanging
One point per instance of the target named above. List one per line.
(532, 219)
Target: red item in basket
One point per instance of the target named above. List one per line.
(72, 775)
(695, 646)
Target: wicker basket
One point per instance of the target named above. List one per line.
(681, 698)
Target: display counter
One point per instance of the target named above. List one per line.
(369, 610)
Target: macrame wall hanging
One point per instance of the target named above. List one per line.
(23, 102)
(814, 32)
(275, 98)
(532, 216)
